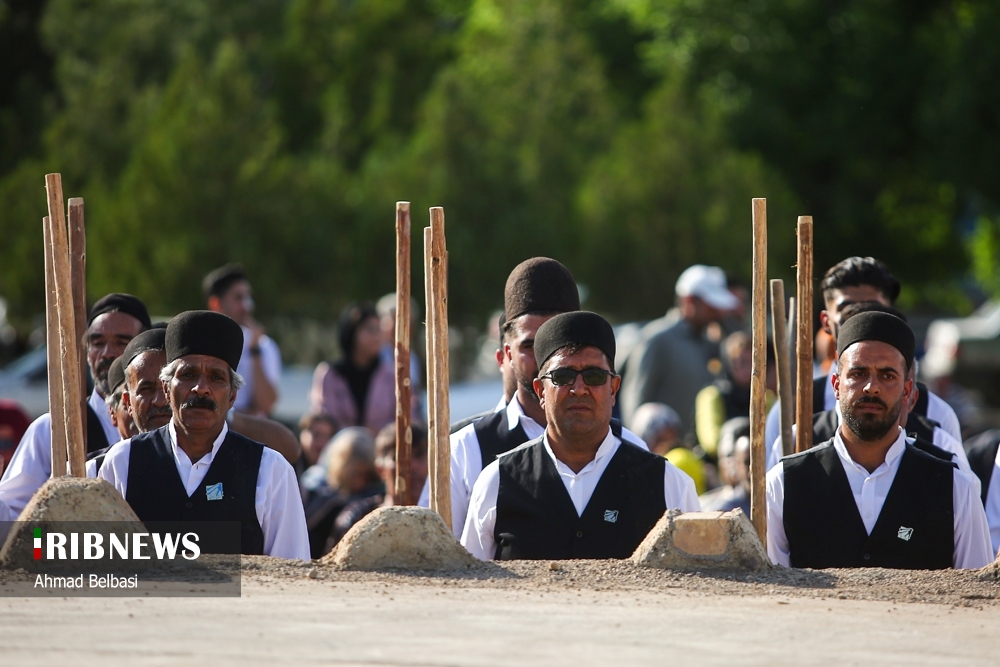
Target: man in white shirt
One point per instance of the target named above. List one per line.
(228, 291)
(195, 468)
(579, 490)
(868, 498)
(114, 320)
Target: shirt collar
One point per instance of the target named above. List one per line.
(608, 447)
(98, 404)
(891, 456)
(515, 414)
(172, 434)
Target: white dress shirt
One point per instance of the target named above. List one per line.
(477, 535)
(870, 489)
(993, 505)
(31, 464)
(270, 359)
(467, 461)
(277, 500)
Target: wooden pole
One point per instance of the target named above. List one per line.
(439, 300)
(69, 366)
(432, 479)
(804, 345)
(758, 379)
(779, 335)
(57, 411)
(404, 430)
(78, 273)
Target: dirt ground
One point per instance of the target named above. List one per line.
(538, 613)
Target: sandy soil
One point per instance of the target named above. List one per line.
(571, 613)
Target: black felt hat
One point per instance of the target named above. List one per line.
(204, 332)
(883, 327)
(539, 284)
(121, 303)
(154, 339)
(577, 328)
(116, 374)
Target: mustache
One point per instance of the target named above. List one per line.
(103, 366)
(872, 400)
(200, 402)
(156, 411)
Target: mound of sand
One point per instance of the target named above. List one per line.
(703, 541)
(412, 538)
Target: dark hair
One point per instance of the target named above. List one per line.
(508, 326)
(350, 319)
(867, 307)
(385, 441)
(856, 271)
(218, 282)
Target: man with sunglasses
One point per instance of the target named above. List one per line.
(579, 490)
(536, 290)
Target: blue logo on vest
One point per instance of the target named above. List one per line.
(214, 492)
(611, 516)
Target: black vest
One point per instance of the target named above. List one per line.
(96, 440)
(495, 438)
(826, 423)
(462, 423)
(536, 518)
(914, 531)
(156, 493)
(983, 456)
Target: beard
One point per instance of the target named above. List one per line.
(868, 426)
(101, 377)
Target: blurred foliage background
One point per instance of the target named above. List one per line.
(623, 137)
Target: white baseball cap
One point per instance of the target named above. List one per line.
(707, 283)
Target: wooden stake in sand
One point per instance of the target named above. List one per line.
(804, 341)
(57, 411)
(439, 447)
(69, 347)
(779, 336)
(78, 274)
(404, 431)
(758, 379)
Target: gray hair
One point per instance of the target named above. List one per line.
(236, 380)
(114, 399)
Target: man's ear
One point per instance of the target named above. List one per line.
(536, 384)
(506, 351)
(616, 383)
(824, 320)
(835, 380)
(127, 401)
(501, 356)
(214, 304)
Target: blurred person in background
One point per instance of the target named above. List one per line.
(345, 473)
(675, 363)
(734, 469)
(316, 429)
(360, 388)
(13, 423)
(728, 397)
(659, 426)
(385, 464)
(386, 309)
(227, 290)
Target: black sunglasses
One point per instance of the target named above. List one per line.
(564, 377)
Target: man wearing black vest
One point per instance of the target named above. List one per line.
(536, 290)
(851, 281)
(195, 468)
(113, 321)
(928, 433)
(984, 457)
(868, 497)
(579, 490)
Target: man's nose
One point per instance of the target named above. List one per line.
(579, 386)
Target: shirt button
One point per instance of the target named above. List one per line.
(190, 504)
(867, 556)
(579, 533)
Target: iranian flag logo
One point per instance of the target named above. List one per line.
(38, 544)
